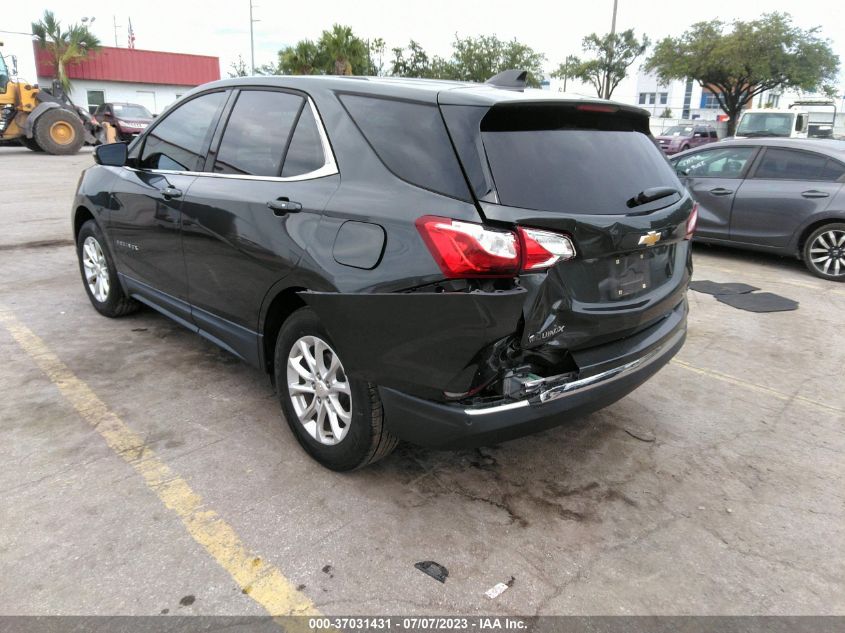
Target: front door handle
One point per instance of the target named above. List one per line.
(282, 206)
(815, 193)
(171, 192)
(721, 191)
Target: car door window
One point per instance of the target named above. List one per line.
(305, 153)
(257, 133)
(179, 140)
(784, 164)
(717, 163)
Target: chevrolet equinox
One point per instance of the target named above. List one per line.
(445, 263)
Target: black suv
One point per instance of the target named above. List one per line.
(443, 263)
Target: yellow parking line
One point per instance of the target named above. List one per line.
(779, 395)
(263, 582)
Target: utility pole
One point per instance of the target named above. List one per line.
(612, 43)
(251, 40)
(116, 26)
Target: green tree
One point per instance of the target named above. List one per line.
(479, 58)
(747, 60)
(65, 46)
(612, 54)
(347, 53)
(238, 68)
(566, 70)
(304, 58)
(376, 57)
(411, 61)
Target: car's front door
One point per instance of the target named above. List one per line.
(248, 219)
(787, 187)
(712, 177)
(146, 220)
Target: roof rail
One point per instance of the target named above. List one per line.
(511, 79)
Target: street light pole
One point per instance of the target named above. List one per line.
(612, 43)
(251, 41)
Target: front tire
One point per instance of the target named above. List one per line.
(99, 275)
(337, 419)
(59, 132)
(824, 252)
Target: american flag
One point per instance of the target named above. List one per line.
(131, 35)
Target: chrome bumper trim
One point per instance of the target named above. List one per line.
(585, 384)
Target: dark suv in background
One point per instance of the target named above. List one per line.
(444, 263)
(129, 119)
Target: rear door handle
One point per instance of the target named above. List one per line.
(281, 206)
(721, 191)
(814, 193)
(171, 192)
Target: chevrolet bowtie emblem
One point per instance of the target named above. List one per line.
(650, 239)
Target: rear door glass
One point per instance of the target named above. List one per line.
(715, 163)
(411, 140)
(783, 164)
(305, 153)
(257, 133)
(573, 170)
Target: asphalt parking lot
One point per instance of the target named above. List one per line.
(144, 471)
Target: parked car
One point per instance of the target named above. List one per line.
(680, 138)
(782, 196)
(763, 122)
(129, 119)
(439, 262)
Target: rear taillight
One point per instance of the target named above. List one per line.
(692, 221)
(465, 249)
(541, 249)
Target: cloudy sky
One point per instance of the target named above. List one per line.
(221, 28)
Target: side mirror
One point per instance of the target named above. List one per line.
(111, 154)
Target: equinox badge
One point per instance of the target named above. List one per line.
(650, 239)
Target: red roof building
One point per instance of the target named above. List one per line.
(152, 78)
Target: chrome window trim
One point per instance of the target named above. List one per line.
(329, 167)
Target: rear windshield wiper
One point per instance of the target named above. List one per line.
(650, 195)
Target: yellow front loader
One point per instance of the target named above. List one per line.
(41, 120)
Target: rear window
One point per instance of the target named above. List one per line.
(411, 140)
(576, 166)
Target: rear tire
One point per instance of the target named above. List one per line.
(364, 438)
(59, 132)
(824, 252)
(31, 143)
(99, 275)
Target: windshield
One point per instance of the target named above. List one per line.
(765, 124)
(575, 170)
(677, 130)
(131, 111)
(4, 74)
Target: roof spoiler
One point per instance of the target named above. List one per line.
(511, 79)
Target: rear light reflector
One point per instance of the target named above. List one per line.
(596, 107)
(542, 249)
(692, 221)
(465, 249)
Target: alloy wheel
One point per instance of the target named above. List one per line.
(96, 269)
(827, 252)
(319, 390)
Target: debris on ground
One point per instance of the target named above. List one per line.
(435, 570)
(641, 436)
(499, 588)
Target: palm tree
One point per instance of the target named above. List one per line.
(348, 53)
(302, 59)
(65, 46)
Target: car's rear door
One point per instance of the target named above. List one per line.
(249, 216)
(786, 188)
(146, 219)
(713, 176)
(577, 168)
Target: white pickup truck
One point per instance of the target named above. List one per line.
(756, 122)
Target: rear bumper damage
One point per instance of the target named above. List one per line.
(606, 374)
